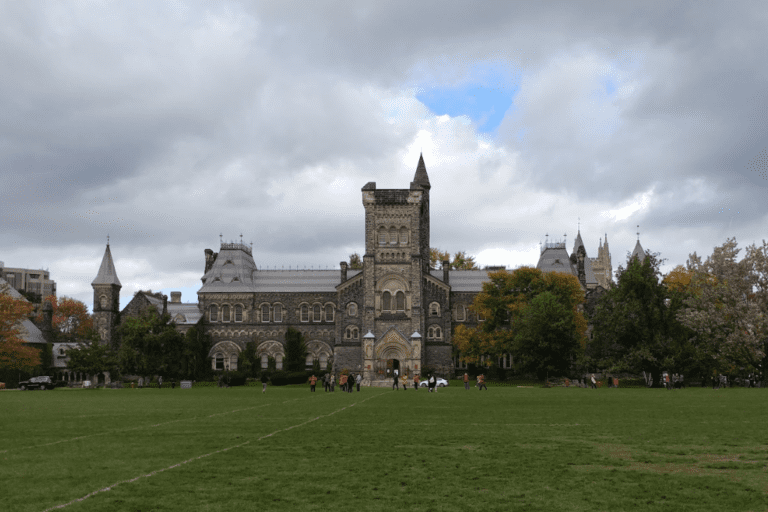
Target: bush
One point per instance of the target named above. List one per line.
(283, 378)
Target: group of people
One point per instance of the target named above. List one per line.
(346, 381)
(480, 382)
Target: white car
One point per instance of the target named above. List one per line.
(440, 383)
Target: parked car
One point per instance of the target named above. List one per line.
(44, 382)
(440, 383)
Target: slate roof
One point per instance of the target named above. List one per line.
(463, 280)
(421, 176)
(556, 259)
(235, 271)
(189, 312)
(638, 252)
(28, 331)
(107, 273)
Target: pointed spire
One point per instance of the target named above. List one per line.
(578, 242)
(107, 274)
(421, 176)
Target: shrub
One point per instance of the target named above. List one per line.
(283, 378)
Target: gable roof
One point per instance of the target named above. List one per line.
(107, 274)
(28, 331)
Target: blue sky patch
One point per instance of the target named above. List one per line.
(484, 97)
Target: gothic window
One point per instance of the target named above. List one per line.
(400, 300)
(279, 362)
(265, 313)
(225, 313)
(382, 236)
(461, 313)
(277, 313)
(348, 333)
(352, 309)
(355, 333)
(219, 361)
(323, 361)
(309, 361)
(386, 301)
(434, 309)
(233, 362)
(213, 314)
(238, 313)
(393, 236)
(480, 317)
(316, 313)
(438, 333)
(264, 361)
(328, 313)
(305, 313)
(403, 236)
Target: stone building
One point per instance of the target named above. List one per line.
(394, 313)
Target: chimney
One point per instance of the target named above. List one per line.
(446, 268)
(343, 271)
(165, 304)
(176, 297)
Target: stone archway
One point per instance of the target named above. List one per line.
(392, 351)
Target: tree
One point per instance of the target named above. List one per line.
(295, 350)
(195, 364)
(634, 325)
(355, 262)
(728, 308)
(150, 345)
(460, 260)
(92, 358)
(527, 313)
(14, 353)
(71, 320)
(248, 361)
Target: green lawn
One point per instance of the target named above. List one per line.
(506, 449)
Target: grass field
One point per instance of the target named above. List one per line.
(506, 449)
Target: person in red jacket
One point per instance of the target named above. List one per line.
(466, 381)
(416, 381)
(312, 382)
(481, 382)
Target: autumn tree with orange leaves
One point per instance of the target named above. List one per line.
(532, 315)
(71, 320)
(14, 354)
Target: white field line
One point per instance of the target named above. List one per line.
(139, 427)
(179, 464)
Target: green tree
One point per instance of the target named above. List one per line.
(635, 328)
(355, 261)
(150, 345)
(518, 322)
(248, 360)
(91, 357)
(195, 363)
(295, 350)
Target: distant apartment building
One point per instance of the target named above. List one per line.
(26, 280)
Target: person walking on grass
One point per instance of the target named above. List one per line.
(481, 382)
(343, 382)
(431, 383)
(395, 383)
(416, 382)
(333, 383)
(312, 382)
(404, 382)
(466, 381)
(593, 382)
(351, 383)
(160, 382)
(359, 379)
(264, 380)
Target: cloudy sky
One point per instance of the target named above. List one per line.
(166, 124)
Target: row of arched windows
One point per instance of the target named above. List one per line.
(462, 314)
(267, 313)
(225, 313)
(390, 303)
(351, 333)
(316, 313)
(393, 236)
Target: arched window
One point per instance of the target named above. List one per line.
(277, 313)
(305, 313)
(328, 313)
(213, 313)
(382, 236)
(400, 300)
(279, 362)
(103, 301)
(317, 313)
(309, 361)
(238, 313)
(355, 333)
(480, 317)
(265, 313)
(264, 361)
(225, 313)
(438, 333)
(386, 301)
(434, 309)
(233, 362)
(219, 361)
(403, 236)
(348, 333)
(461, 313)
(352, 309)
(323, 361)
(393, 236)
